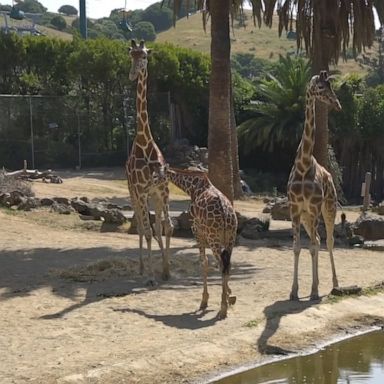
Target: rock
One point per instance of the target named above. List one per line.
(369, 226)
(380, 209)
(113, 216)
(377, 245)
(5, 199)
(343, 291)
(81, 207)
(184, 221)
(254, 226)
(62, 200)
(29, 203)
(182, 225)
(46, 202)
(63, 209)
(279, 209)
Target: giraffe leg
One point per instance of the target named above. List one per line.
(296, 251)
(329, 214)
(147, 231)
(224, 257)
(311, 223)
(140, 228)
(159, 209)
(168, 228)
(204, 265)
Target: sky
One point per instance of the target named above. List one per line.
(95, 8)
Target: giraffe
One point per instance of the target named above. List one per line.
(311, 191)
(214, 224)
(144, 156)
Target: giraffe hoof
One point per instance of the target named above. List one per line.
(222, 314)
(293, 297)
(232, 300)
(203, 306)
(315, 297)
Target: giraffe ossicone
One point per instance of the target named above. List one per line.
(311, 191)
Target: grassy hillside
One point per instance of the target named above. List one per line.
(263, 42)
(28, 23)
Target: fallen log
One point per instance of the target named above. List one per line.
(33, 174)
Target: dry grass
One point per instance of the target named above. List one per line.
(99, 271)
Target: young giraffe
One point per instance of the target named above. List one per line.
(144, 156)
(214, 224)
(311, 191)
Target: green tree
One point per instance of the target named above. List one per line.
(12, 58)
(160, 17)
(324, 29)
(249, 66)
(68, 10)
(278, 111)
(59, 22)
(31, 6)
(144, 30)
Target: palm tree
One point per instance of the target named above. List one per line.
(222, 140)
(324, 29)
(278, 109)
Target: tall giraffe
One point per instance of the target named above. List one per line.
(214, 224)
(311, 191)
(144, 156)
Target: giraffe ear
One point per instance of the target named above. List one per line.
(149, 51)
(133, 43)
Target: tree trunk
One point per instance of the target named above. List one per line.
(219, 133)
(323, 37)
(237, 190)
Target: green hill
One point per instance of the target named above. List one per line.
(263, 42)
(51, 32)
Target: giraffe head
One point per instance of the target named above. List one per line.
(320, 87)
(139, 54)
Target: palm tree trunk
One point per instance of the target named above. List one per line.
(237, 190)
(219, 134)
(322, 41)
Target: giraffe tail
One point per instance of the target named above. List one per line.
(226, 261)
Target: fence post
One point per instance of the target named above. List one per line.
(366, 191)
(31, 126)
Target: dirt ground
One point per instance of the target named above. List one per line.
(73, 308)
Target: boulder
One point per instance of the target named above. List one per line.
(62, 200)
(278, 208)
(369, 226)
(253, 227)
(29, 203)
(63, 209)
(379, 209)
(46, 202)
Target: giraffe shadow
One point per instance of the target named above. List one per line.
(273, 314)
(189, 320)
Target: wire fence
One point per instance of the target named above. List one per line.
(74, 132)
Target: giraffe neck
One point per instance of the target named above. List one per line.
(305, 149)
(192, 183)
(143, 128)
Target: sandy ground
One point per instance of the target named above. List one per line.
(73, 308)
